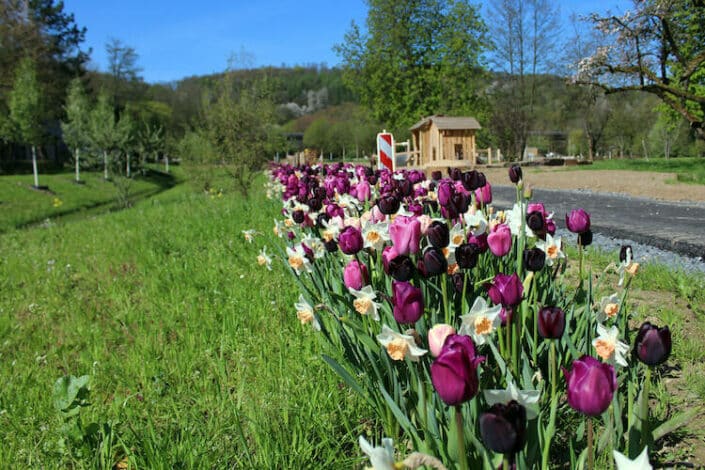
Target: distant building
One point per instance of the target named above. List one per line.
(443, 141)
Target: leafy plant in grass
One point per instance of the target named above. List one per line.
(493, 395)
(76, 128)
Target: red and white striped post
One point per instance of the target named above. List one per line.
(385, 151)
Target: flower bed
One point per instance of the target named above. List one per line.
(457, 324)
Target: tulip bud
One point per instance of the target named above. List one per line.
(437, 336)
(551, 322)
(625, 252)
(438, 234)
(515, 174)
(577, 221)
(434, 261)
(388, 204)
(534, 259)
(401, 268)
(585, 238)
(466, 255)
(355, 275)
(652, 344)
(454, 372)
(445, 192)
(503, 427)
(350, 240)
(591, 385)
(407, 301)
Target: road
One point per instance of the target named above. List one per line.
(678, 227)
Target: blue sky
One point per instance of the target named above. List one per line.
(175, 39)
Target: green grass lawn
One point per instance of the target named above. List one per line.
(687, 170)
(194, 352)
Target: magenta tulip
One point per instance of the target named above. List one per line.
(355, 275)
(407, 301)
(506, 290)
(591, 385)
(350, 240)
(500, 240)
(454, 372)
(405, 233)
(483, 195)
(578, 221)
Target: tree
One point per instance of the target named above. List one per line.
(240, 125)
(76, 127)
(418, 57)
(657, 47)
(103, 129)
(26, 112)
(524, 36)
(123, 71)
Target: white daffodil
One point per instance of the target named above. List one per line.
(297, 259)
(316, 245)
(374, 235)
(627, 266)
(399, 346)
(364, 302)
(249, 235)
(480, 321)
(263, 259)
(609, 347)
(609, 307)
(515, 218)
(456, 236)
(348, 203)
(304, 312)
(279, 228)
(476, 222)
(382, 458)
(529, 399)
(331, 228)
(552, 248)
(622, 462)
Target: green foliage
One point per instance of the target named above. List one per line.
(25, 104)
(76, 127)
(416, 58)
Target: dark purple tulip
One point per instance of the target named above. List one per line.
(515, 174)
(401, 268)
(298, 216)
(624, 252)
(350, 240)
(551, 322)
(315, 204)
(331, 246)
(535, 221)
(506, 290)
(320, 218)
(455, 174)
(407, 301)
(355, 275)
(459, 282)
(438, 234)
(445, 192)
(585, 238)
(652, 344)
(591, 385)
(534, 259)
(550, 227)
(473, 179)
(480, 241)
(454, 372)
(466, 255)
(434, 261)
(436, 175)
(577, 221)
(388, 254)
(503, 427)
(460, 202)
(388, 205)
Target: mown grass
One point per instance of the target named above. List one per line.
(21, 204)
(687, 170)
(195, 355)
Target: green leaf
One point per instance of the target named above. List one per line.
(69, 391)
(680, 419)
(347, 378)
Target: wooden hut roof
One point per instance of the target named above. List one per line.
(448, 122)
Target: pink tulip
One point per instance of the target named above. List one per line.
(500, 240)
(405, 233)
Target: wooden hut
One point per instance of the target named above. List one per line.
(443, 141)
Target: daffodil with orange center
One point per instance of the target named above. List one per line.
(608, 308)
(375, 235)
(304, 312)
(481, 321)
(364, 302)
(552, 247)
(609, 347)
(399, 346)
(296, 257)
(263, 259)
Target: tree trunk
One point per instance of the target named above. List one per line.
(127, 166)
(77, 155)
(105, 164)
(166, 162)
(34, 166)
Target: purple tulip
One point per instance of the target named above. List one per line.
(401, 268)
(473, 179)
(484, 194)
(446, 189)
(405, 233)
(350, 240)
(434, 261)
(591, 385)
(454, 372)
(500, 240)
(363, 191)
(551, 322)
(388, 254)
(503, 427)
(515, 174)
(480, 241)
(550, 227)
(534, 259)
(506, 290)
(652, 344)
(438, 234)
(355, 275)
(466, 255)
(578, 221)
(407, 301)
(388, 204)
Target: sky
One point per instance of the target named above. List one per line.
(178, 38)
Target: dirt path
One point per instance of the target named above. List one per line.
(647, 184)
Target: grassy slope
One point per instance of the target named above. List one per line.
(687, 170)
(194, 352)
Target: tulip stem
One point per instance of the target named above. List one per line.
(644, 414)
(580, 263)
(553, 378)
(444, 289)
(590, 450)
(462, 455)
